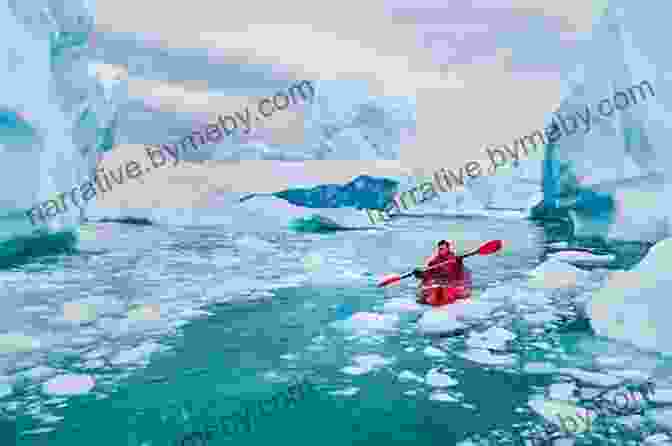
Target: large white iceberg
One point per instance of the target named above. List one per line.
(611, 181)
(634, 306)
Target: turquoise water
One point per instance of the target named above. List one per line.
(233, 318)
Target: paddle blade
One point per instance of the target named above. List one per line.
(490, 247)
(387, 280)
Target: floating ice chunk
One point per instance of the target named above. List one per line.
(17, 342)
(657, 440)
(136, 355)
(558, 245)
(256, 244)
(442, 396)
(46, 418)
(485, 357)
(556, 266)
(374, 361)
(440, 320)
(98, 353)
(661, 395)
(540, 318)
(350, 391)
(633, 306)
(582, 257)
(94, 364)
(434, 352)
(369, 321)
(407, 375)
(500, 293)
(612, 361)
(554, 273)
(402, 306)
(597, 379)
(474, 309)
(36, 309)
(39, 372)
(366, 364)
(635, 375)
(190, 313)
(561, 391)
(435, 378)
(352, 370)
(493, 337)
(69, 385)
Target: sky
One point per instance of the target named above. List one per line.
(480, 72)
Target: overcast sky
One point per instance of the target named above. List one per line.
(481, 72)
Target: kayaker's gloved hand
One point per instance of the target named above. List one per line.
(418, 273)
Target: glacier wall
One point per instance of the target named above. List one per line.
(609, 182)
(57, 111)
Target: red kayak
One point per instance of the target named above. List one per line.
(439, 293)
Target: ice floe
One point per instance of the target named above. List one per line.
(407, 375)
(442, 396)
(485, 357)
(540, 318)
(662, 396)
(582, 257)
(561, 391)
(69, 385)
(435, 378)
(493, 337)
(350, 391)
(138, 354)
(440, 320)
(366, 364)
(594, 378)
(402, 306)
(634, 305)
(39, 372)
(434, 352)
(501, 293)
(554, 273)
(657, 440)
(469, 310)
(365, 321)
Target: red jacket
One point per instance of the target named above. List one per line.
(451, 270)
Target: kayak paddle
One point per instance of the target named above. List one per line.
(490, 247)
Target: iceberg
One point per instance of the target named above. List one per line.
(632, 307)
(57, 114)
(606, 179)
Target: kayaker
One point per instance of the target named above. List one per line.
(443, 284)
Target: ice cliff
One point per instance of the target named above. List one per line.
(609, 182)
(613, 182)
(57, 112)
